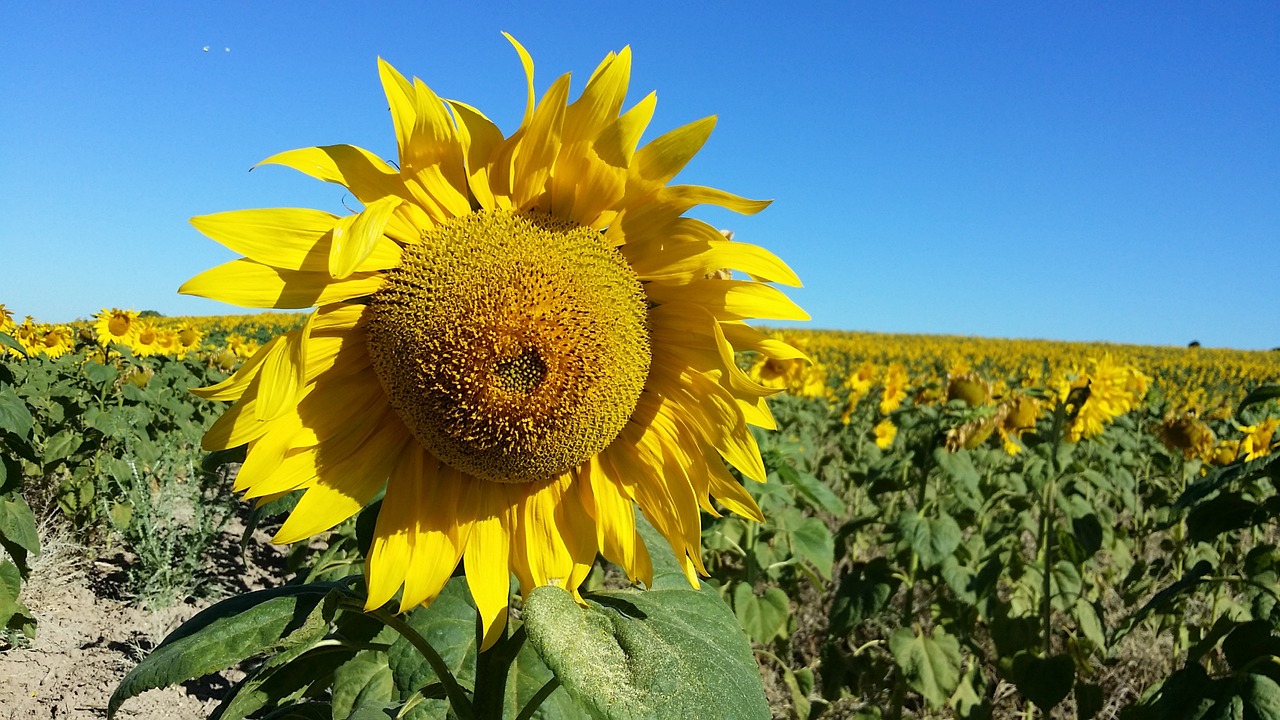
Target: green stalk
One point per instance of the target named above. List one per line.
(453, 691)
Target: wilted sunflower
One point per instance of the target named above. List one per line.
(515, 337)
(116, 326)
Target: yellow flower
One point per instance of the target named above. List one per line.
(167, 343)
(147, 340)
(895, 388)
(116, 326)
(241, 346)
(189, 337)
(1188, 435)
(515, 337)
(1018, 416)
(7, 325)
(1113, 390)
(885, 431)
(1257, 439)
(1226, 452)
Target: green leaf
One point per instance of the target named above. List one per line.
(667, 652)
(1090, 624)
(14, 615)
(449, 624)
(929, 663)
(863, 593)
(813, 490)
(7, 340)
(812, 541)
(1224, 513)
(932, 539)
(15, 417)
(18, 530)
(364, 680)
(100, 375)
(1260, 394)
(762, 617)
(263, 622)
(283, 679)
(60, 446)
(1044, 681)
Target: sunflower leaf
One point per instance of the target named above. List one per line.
(669, 652)
(264, 622)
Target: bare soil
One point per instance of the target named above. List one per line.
(90, 635)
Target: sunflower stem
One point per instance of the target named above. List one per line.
(492, 668)
(457, 696)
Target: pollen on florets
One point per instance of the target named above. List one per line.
(514, 346)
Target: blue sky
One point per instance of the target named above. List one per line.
(1074, 171)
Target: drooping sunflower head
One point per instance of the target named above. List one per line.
(520, 338)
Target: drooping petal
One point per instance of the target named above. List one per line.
(491, 510)
(559, 534)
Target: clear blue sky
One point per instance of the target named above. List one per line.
(1075, 171)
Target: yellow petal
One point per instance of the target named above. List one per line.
(288, 238)
(729, 299)
(479, 137)
(250, 284)
(441, 534)
(745, 337)
(487, 554)
(355, 237)
(283, 373)
(614, 515)
(601, 100)
(538, 146)
(695, 249)
(343, 488)
(659, 161)
(617, 144)
(559, 535)
(527, 62)
(235, 386)
(684, 197)
(368, 176)
(693, 329)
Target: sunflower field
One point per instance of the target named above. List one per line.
(953, 527)
(537, 455)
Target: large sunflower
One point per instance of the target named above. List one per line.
(515, 337)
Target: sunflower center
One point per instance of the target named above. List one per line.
(514, 346)
(118, 325)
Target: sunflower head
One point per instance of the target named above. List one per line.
(520, 338)
(116, 326)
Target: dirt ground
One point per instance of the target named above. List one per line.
(89, 636)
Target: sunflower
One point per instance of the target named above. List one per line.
(7, 325)
(116, 326)
(515, 337)
(189, 337)
(885, 431)
(56, 341)
(147, 340)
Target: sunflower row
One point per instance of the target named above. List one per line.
(1021, 381)
(226, 340)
